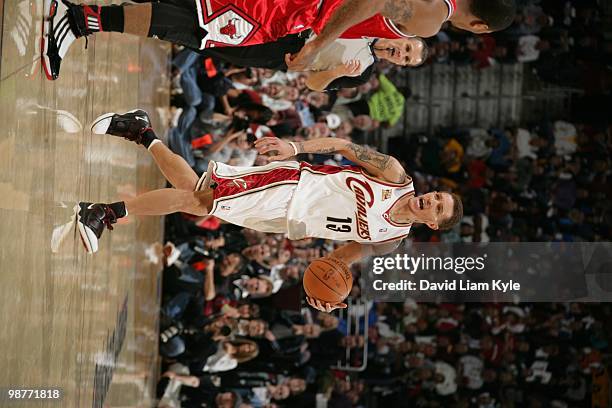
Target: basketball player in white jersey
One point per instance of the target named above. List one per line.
(372, 204)
(353, 57)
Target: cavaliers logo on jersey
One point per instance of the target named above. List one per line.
(364, 196)
(386, 194)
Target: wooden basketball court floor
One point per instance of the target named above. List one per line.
(86, 324)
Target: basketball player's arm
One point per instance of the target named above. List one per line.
(355, 251)
(318, 81)
(377, 164)
(422, 18)
(349, 13)
(350, 253)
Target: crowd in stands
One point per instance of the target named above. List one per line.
(564, 42)
(234, 329)
(539, 181)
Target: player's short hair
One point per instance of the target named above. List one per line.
(497, 14)
(456, 216)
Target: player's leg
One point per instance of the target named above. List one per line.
(174, 167)
(136, 126)
(169, 200)
(65, 22)
(93, 218)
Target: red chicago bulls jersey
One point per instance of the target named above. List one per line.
(376, 27)
(248, 22)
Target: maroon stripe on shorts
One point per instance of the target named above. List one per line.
(229, 186)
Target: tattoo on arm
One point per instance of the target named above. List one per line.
(398, 10)
(374, 158)
(322, 150)
(348, 14)
(401, 179)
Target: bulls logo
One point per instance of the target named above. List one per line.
(228, 25)
(230, 29)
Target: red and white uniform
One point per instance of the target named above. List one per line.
(249, 22)
(253, 197)
(302, 200)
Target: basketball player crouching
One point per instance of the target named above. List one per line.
(372, 204)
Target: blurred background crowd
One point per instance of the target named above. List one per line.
(234, 330)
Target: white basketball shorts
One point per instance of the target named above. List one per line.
(252, 197)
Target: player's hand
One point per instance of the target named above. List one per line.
(302, 60)
(324, 307)
(350, 68)
(282, 150)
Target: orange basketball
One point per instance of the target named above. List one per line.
(328, 280)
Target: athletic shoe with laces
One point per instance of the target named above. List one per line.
(63, 23)
(130, 125)
(92, 219)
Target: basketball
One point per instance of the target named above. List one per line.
(328, 280)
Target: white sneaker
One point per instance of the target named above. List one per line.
(63, 23)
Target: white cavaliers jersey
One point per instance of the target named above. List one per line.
(344, 203)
